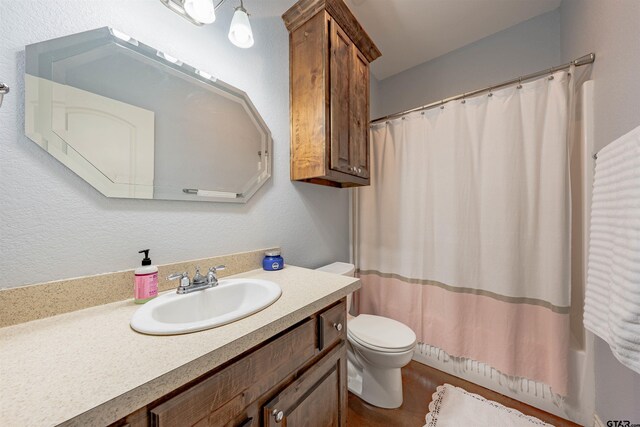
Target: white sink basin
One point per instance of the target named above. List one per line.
(231, 300)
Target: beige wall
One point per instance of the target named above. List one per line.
(611, 29)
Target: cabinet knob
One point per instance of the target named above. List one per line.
(278, 415)
(338, 326)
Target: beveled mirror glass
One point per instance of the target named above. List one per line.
(137, 123)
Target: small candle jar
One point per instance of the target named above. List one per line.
(273, 261)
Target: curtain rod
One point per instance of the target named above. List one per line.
(583, 60)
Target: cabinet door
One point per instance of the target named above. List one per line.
(317, 399)
(340, 84)
(359, 108)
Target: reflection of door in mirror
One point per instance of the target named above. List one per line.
(134, 125)
(115, 137)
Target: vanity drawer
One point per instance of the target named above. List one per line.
(221, 397)
(332, 325)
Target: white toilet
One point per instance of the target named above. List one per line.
(378, 347)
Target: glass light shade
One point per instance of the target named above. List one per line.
(202, 11)
(240, 33)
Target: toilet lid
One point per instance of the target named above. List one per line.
(381, 332)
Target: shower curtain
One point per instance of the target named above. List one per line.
(463, 234)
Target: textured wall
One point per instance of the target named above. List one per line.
(53, 225)
(529, 46)
(610, 29)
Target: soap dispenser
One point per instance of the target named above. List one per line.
(146, 281)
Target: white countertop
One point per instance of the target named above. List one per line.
(90, 368)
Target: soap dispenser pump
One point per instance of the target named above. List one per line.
(146, 281)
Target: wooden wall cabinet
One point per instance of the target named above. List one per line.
(298, 378)
(329, 54)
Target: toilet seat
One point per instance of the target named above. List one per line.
(380, 349)
(381, 334)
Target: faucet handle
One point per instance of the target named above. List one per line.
(217, 268)
(176, 276)
(184, 279)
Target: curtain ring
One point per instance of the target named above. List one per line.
(442, 104)
(464, 101)
(519, 83)
(550, 74)
(490, 92)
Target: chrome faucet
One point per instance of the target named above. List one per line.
(199, 281)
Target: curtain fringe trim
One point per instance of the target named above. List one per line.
(462, 365)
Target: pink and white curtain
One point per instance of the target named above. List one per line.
(464, 232)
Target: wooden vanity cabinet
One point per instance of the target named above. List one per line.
(297, 378)
(329, 54)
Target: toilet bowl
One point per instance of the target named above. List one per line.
(378, 347)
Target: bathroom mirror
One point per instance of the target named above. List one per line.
(135, 122)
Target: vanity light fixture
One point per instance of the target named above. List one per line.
(201, 12)
(240, 33)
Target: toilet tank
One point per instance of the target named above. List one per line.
(342, 268)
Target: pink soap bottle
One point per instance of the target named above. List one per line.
(145, 287)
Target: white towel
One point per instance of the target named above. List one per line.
(612, 302)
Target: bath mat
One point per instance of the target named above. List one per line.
(455, 407)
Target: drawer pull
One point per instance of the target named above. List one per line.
(338, 326)
(278, 415)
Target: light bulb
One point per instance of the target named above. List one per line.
(240, 33)
(202, 11)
